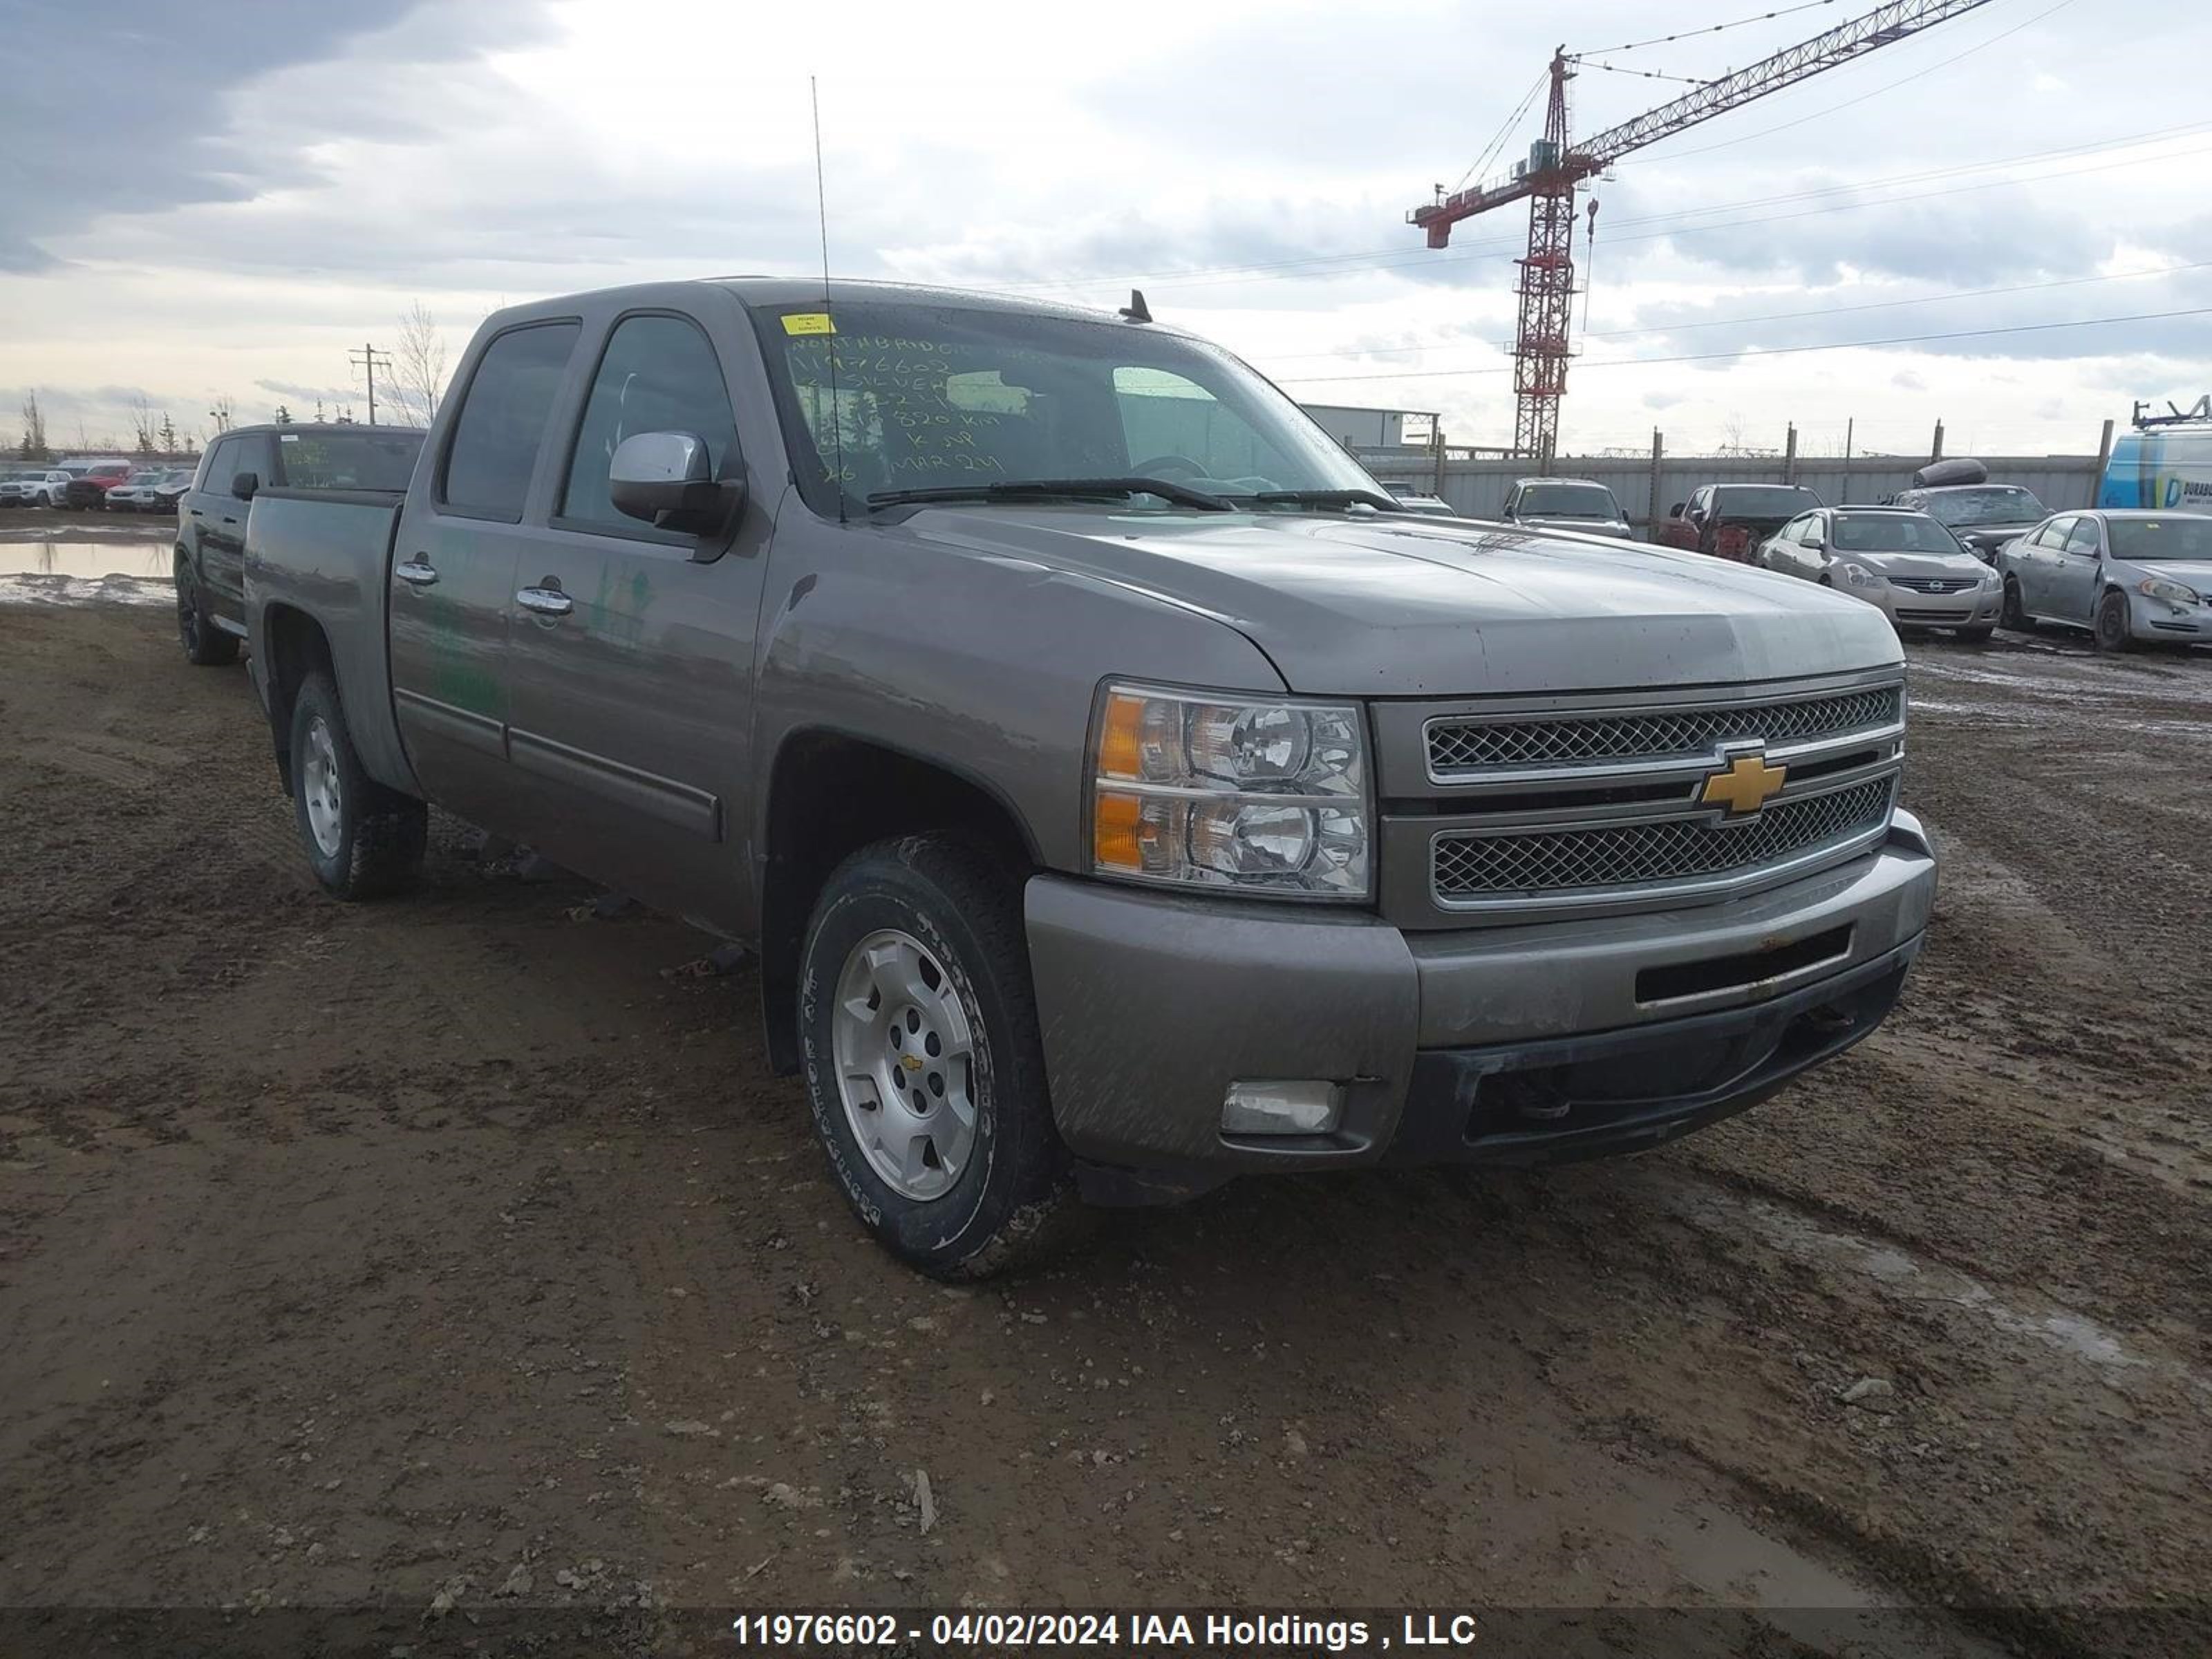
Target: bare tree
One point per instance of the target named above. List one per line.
(33, 445)
(418, 367)
(223, 411)
(145, 435)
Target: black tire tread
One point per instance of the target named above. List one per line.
(390, 832)
(1042, 1216)
(209, 647)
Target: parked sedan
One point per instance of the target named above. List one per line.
(2128, 577)
(1905, 563)
(1581, 504)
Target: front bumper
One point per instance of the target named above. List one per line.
(1559, 1039)
(1976, 607)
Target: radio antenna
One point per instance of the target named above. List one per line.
(822, 212)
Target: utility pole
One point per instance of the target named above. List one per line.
(369, 360)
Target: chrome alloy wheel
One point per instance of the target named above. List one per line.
(904, 1040)
(318, 783)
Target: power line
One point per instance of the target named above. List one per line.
(1477, 249)
(1770, 351)
(1787, 316)
(1889, 86)
(1715, 28)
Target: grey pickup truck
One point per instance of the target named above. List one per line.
(1121, 791)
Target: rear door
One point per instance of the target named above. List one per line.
(2037, 565)
(457, 547)
(632, 655)
(222, 523)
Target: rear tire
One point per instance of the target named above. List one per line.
(362, 840)
(2112, 625)
(205, 645)
(915, 1001)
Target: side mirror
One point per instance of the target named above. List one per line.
(246, 485)
(663, 478)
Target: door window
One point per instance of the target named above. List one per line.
(503, 421)
(659, 374)
(2082, 539)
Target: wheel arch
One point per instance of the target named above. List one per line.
(829, 794)
(294, 646)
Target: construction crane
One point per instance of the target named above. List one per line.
(1557, 166)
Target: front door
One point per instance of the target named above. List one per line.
(452, 577)
(221, 520)
(631, 654)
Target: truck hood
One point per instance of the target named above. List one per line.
(1400, 605)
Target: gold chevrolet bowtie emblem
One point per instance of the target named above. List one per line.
(1747, 784)
(912, 1062)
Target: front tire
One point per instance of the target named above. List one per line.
(2014, 615)
(1976, 635)
(925, 1068)
(205, 645)
(362, 840)
(2112, 631)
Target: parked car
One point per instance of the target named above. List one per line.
(1579, 504)
(169, 492)
(1119, 796)
(1416, 501)
(140, 492)
(2129, 576)
(1730, 521)
(33, 486)
(212, 510)
(1958, 495)
(89, 483)
(1904, 563)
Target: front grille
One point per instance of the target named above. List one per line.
(1935, 584)
(1459, 747)
(1474, 866)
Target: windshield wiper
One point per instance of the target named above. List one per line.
(1166, 490)
(1328, 498)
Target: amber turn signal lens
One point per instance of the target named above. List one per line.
(1113, 821)
(1120, 744)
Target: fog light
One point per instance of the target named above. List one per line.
(1304, 1106)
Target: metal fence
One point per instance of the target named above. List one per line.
(1478, 488)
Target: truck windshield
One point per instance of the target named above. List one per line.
(1999, 504)
(880, 397)
(1568, 500)
(2184, 536)
(1891, 533)
(369, 459)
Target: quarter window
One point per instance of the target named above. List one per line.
(502, 420)
(659, 374)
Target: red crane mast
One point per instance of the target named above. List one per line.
(1556, 168)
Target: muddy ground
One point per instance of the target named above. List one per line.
(463, 1247)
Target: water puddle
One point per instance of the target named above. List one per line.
(84, 556)
(1910, 1278)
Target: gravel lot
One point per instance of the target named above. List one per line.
(462, 1247)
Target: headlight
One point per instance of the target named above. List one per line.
(2172, 593)
(1266, 796)
(1858, 574)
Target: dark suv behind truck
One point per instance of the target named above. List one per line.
(238, 466)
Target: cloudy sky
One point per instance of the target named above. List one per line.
(216, 201)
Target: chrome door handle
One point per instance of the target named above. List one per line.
(416, 573)
(545, 601)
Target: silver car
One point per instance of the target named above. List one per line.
(2128, 577)
(1581, 504)
(1905, 563)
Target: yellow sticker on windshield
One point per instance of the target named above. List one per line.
(809, 322)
